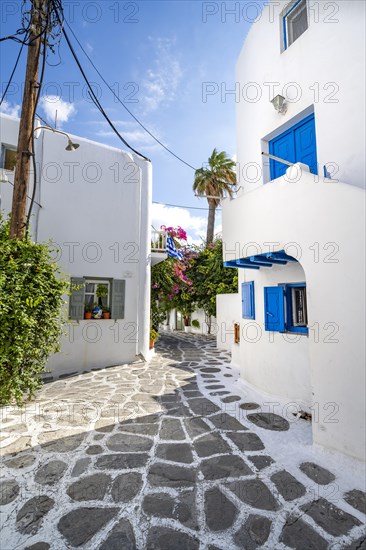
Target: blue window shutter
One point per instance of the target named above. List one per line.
(274, 311)
(76, 304)
(118, 298)
(247, 300)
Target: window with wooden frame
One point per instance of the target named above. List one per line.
(294, 21)
(84, 294)
(8, 157)
(285, 308)
(91, 293)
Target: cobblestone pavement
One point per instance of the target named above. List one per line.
(137, 456)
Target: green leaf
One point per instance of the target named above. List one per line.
(32, 290)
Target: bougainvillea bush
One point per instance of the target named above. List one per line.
(176, 232)
(192, 282)
(31, 303)
(210, 277)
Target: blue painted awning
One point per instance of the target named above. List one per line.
(268, 259)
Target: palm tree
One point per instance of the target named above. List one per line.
(217, 180)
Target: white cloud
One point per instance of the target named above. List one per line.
(195, 226)
(52, 103)
(89, 48)
(163, 78)
(133, 134)
(9, 109)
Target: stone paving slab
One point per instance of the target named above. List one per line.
(143, 457)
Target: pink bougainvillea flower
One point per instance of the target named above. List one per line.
(177, 232)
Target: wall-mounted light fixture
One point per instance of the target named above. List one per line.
(70, 146)
(279, 104)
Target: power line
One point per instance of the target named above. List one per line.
(43, 120)
(13, 71)
(182, 206)
(124, 106)
(91, 91)
(29, 197)
(14, 36)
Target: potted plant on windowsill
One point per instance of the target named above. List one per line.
(88, 312)
(154, 335)
(101, 292)
(106, 313)
(97, 311)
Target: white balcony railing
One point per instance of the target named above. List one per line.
(158, 241)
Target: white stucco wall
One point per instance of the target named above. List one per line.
(323, 224)
(274, 362)
(228, 312)
(323, 72)
(198, 314)
(96, 208)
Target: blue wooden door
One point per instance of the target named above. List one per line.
(298, 144)
(305, 144)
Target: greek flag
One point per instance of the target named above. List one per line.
(171, 249)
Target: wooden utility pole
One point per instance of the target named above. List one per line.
(21, 177)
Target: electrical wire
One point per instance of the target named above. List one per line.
(13, 72)
(24, 42)
(124, 106)
(14, 36)
(182, 206)
(43, 120)
(91, 91)
(29, 197)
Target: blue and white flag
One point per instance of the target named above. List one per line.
(171, 249)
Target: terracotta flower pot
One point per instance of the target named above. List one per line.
(106, 315)
(151, 344)
(87, 315)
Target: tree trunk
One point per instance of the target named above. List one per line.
(211, 222)
(186, 320)
(208, 320)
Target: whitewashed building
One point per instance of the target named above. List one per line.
(175, 321)
(297, 233)
(94, 204)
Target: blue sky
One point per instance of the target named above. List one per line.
(157, 55)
